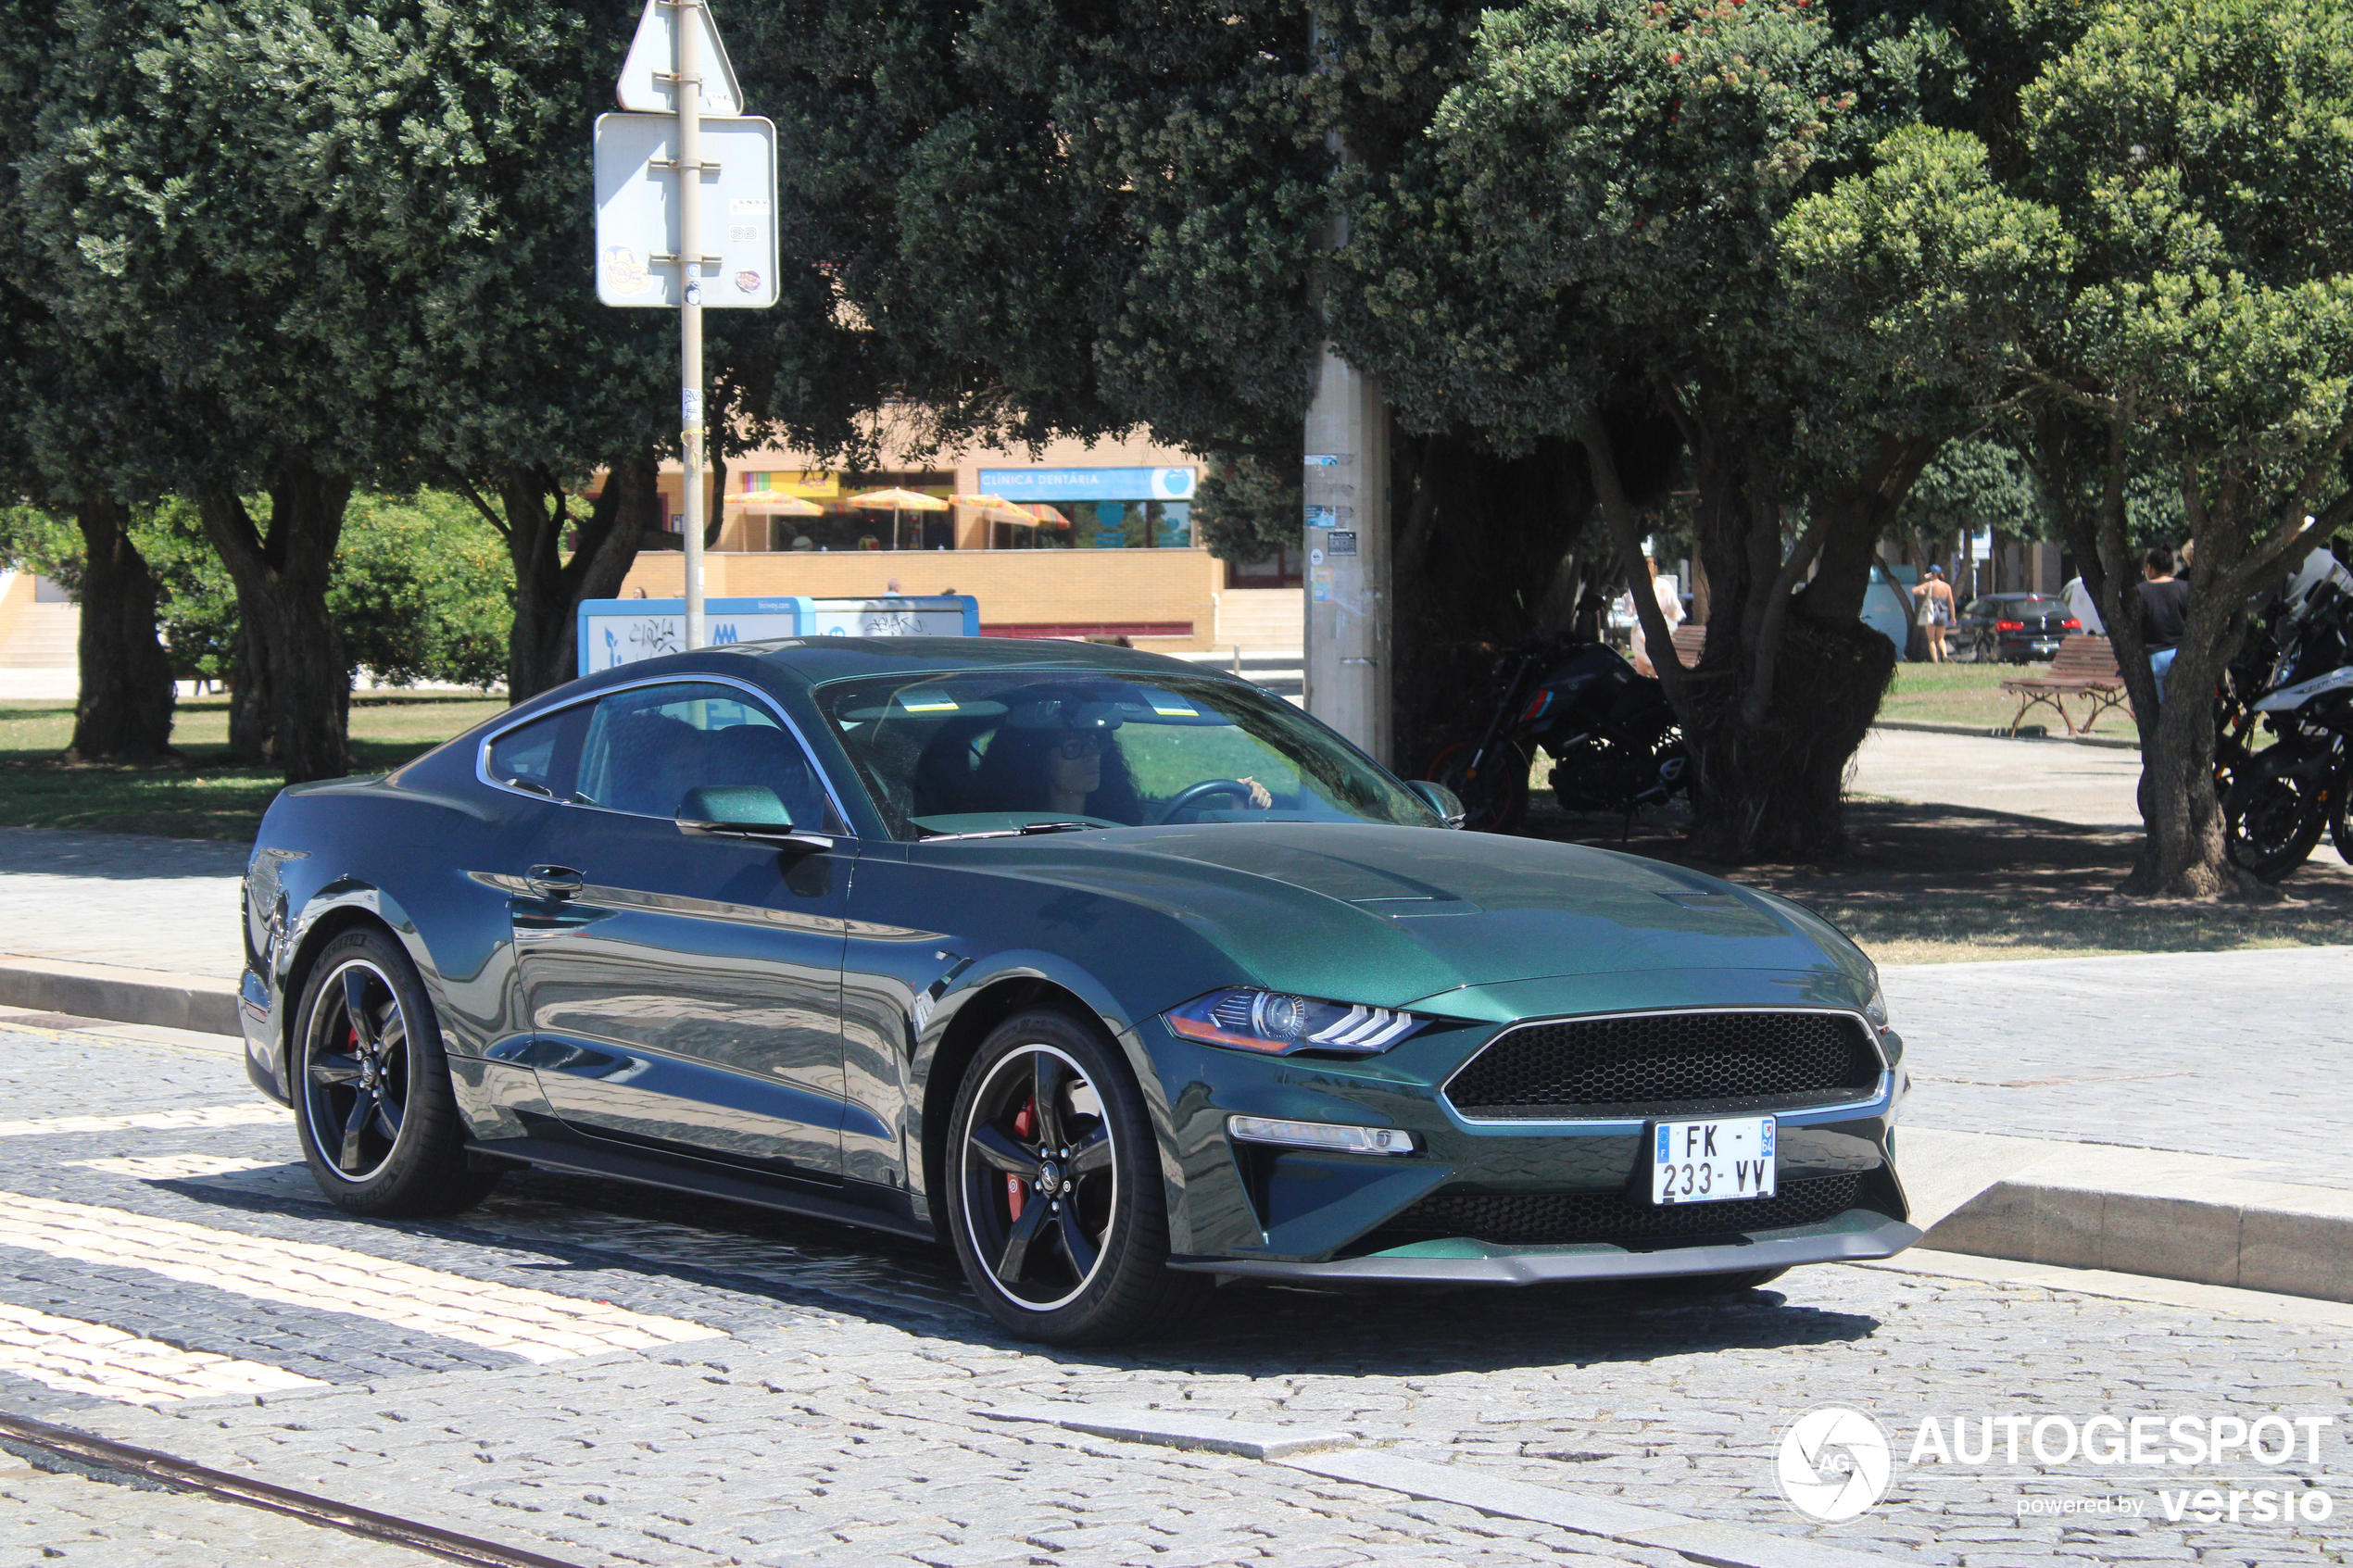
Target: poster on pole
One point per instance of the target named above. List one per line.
(638, 212)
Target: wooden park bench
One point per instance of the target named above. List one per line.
(2086, 667)
(1689, 640)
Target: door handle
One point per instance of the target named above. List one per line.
(554, 882)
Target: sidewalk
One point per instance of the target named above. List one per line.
(2170, 1114)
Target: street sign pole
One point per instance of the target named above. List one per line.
(677, 92)
(687, 86)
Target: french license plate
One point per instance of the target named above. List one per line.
(1712, 1162)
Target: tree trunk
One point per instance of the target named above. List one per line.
(281, 575)
(251, 737)
(124, 714)
(1790, 678)
(549, 587)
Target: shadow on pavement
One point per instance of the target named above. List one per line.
(585, 1224)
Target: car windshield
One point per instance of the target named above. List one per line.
(1022, 750)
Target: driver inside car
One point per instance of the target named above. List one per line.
(1065, 757)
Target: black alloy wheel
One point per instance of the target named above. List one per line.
(378, 1117)
(356, 1073)
(1055, 1201)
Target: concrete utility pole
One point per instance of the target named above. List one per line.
(1349, 602)
(1346, 492)
(688, 83)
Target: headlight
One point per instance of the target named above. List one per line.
(1876, 1007)
(1275, 1025)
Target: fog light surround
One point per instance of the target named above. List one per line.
(1332, 1137)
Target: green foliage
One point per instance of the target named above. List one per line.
(35, 539)
(421, 592)
(2203, 155)
(1974, 485)
(197, 611)
(1246, 509)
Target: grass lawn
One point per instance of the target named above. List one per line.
(204, 798)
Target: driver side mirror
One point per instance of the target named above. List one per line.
(1443, 801)
(744, 811)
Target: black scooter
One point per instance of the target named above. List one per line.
(1613, 737)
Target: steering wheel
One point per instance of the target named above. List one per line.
(1190, 798)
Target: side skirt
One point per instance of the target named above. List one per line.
(884, 1212)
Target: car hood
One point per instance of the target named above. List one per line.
(1363, 912)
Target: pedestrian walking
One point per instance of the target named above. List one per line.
(1935, 610)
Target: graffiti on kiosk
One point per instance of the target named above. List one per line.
(647, 638)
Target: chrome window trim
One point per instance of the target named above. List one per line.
(482, 753)
(1879, 1099)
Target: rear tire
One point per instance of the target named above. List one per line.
(372, 1102)
(1055, 1202)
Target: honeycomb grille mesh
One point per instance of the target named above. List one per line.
(1655, 1065)
(1560, 1218)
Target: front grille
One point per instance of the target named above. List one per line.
(1667, 1063)
(1523, 1218)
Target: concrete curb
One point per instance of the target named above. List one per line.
(1928, 727)
(2293, 1245)
(1336, 1456)
(200, 1003)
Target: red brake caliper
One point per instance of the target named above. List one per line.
(1025, 1123)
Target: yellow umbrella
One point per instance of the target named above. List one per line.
(898, 501)
(774, 502)
(995, 508)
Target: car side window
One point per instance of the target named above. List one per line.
(646, 748)
(538, 757)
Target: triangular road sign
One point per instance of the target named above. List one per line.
(645, 84)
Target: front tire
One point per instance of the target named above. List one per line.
(1054, 1200)
(373, 1101)
(2272, 818)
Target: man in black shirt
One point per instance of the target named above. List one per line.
(2165, 605)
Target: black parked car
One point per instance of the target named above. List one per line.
(2014, 628)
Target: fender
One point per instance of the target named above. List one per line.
(931, 1017)
(303, 938)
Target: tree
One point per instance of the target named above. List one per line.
(64, 409)
(2205, 333)
(1585, 248)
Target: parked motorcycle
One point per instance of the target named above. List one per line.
(2276, 801)
(1613, 737)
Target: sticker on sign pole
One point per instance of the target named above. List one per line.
(690, 407)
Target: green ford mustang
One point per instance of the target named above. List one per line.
(1121, 978)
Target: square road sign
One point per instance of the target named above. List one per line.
(638, 212)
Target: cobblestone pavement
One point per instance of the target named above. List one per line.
(2248, 1055)
(832, 1407)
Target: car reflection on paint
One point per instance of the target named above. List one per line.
(1117, 976)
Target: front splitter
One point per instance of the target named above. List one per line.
(1855, 1236)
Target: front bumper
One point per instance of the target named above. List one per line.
(1498, 1201)
(1856, 1236)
